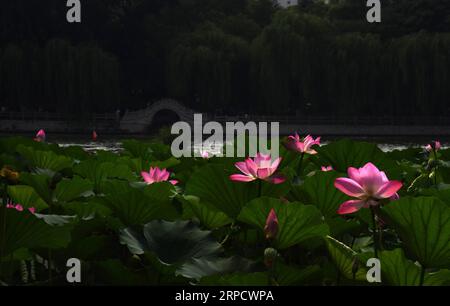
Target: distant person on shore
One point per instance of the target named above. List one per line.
(94, 136)
(40, 136)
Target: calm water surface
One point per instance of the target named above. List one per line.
(113, 143)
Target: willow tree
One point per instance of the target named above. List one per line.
(207, 67)
(287, 59)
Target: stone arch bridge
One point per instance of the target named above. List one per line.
(139, 121)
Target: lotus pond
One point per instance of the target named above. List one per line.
(142, 217)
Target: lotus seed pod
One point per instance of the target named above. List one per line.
(270, 254)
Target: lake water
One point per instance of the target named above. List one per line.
(114, 144)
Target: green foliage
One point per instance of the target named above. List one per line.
(173, 242)
(297, 222)
(424, 226)
(319, 191)
(346, 260)
(209, 230)
(233, 53)
(212, 185)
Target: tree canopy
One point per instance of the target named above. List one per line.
(233, 56)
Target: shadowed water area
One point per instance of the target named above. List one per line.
(113, 143)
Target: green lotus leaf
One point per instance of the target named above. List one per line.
(174, 243)
(212, 185)
(345, 259)
(27, 197)
(69, 190)
(319, 190)
(45, 159)
(297, 222)
(397, 270)
(423, 224)
(207, 214)
(26, 230)
(201, 267)
(346, 153)
(237, 279)
(139, 206)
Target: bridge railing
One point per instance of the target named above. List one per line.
(340, 120)
(49, 116)
(286, 120)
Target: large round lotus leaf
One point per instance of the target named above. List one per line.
(26, 230)
(173, 242)
(69, 190)
(287, 275)
(26, 196)
(319, 190)
(138, 206)
(44, 159)
(207, 214)
(212, 184)
(397, 270)
(237, 279)
(345, 258)
(423, 224)
(297, 222)
(201, 267)
(347, 153)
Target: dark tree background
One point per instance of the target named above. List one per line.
(230, 56)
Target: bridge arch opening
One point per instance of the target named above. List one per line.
(162, 119)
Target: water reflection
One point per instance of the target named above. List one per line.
(116, 146)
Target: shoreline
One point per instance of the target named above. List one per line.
(331, 131)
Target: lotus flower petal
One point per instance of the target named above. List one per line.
(350, 206)
(242, 178)
(389, 189)
(294, 143)
(259, 167)
(271, 226)
(156, 175)
(349, 187)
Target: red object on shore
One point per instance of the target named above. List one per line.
(94, 136)
(40, 136)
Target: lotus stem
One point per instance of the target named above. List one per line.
(3, 230)
(300, 164)
(374, 232)
(228, 235)
(422, 275)
(259, 188)
(435, 168)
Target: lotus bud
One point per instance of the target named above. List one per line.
(270, 255)
(435, 145)
(271, 227)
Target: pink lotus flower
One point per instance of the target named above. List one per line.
(326, 169)
(40, 136)
(261, 167)
(156, 175)
(435, 145)
(19, 207)
(294, 143)
(204, 154)
(368, 185)
(271, 227)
